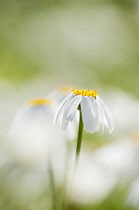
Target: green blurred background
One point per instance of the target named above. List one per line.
(91, 44)
(84, 42)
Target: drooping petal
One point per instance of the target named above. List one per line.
(101, 115)
(92, 99)
(108, 120)
(65, 123)
(88, 118)
(97, 112)
(71, 109)
(62, 107)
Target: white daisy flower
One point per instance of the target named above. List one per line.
(32, 135)
(95, 113)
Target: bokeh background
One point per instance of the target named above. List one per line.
(87, 44)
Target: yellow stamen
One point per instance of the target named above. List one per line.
(40, 101)
(92, 93)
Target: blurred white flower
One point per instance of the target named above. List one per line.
(60, 93)
(125, 112)
(94, 112)
(32, 134)
(99, 173)
(91, 182)
(118, 158)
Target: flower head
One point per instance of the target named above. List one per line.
(32, 135)
(40, 101)
(95, 113)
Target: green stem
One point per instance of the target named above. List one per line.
(52, 185)
(79, 139)
(78, 147)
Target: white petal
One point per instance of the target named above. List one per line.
(62, 107)
(72, 107)
(88, 119)
(92, 99)
(108, 120)
(101, 114)
(96, 112)
(65, 123)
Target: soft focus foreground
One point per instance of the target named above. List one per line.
(49, 48)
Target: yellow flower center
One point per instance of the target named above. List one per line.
(40, 101)
(92, 93)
